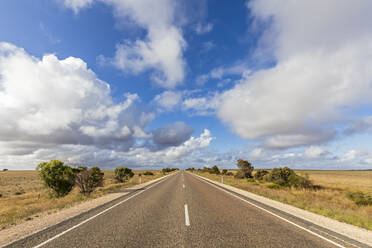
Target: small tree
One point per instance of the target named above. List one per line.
(57, 176)
(88, 180)
(224, 171)
(245, 169)
(123, 173)
(215, 170)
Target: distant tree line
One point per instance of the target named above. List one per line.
(279, 177)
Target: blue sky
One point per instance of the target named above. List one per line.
(193, 83)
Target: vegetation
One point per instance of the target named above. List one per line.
(190, 169)
(88, 180)
(57, 176)
(260, 173)
(123, 174)
(287, 177)
(35, 201)
(224, 171)
(148, 173)
(167, 170)
(245, 169)
(341, 195)
(360, 198)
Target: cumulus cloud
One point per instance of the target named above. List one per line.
(172, 134)
(174, 153)
(58, 108)
(322, 70)
(55, 101)
(161, 50)
(167, 100)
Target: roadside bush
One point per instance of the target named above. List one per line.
(273, 186)
(190, 169)
(88, 180)
(260, 174)
(214, 170)
(229, 173)
(148, 173)
(250, 180)
(57, 176)
(359, 198)
(224, 171)
(123, 173)
(5, 169)
(245, 169)
(287, 177)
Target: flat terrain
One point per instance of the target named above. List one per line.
(179, 211)
(24, 197)
(330, 201)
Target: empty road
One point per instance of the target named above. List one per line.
(179, 211)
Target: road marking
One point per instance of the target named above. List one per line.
(183, 185)
(280, 217)
(187, 220)
(94, 216)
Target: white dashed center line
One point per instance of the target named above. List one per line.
(187, 220)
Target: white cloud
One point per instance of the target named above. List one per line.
(76, 5)
(220, 72)
(203, 28)
(57, 101)
(314, 152)
(53, 108)
(174, 153)
(161, 50)
(323, 56)
(204, 105)
(168, 100)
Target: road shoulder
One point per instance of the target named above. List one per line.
(25, 229)
(358, 234)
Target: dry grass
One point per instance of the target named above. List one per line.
(24, 196)
(330, 201)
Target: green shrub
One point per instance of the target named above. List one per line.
(273, 186)
(260, 174)
(88, 180)
(250, 180)
(239, 175)
(359, 198)
(224, 171)
(1, 195)
(214, 170)
(57, 176)
(287, 177)
(229, 173)
(245, 169)
(148, 173)
(123, 173)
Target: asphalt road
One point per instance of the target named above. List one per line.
(179, 211)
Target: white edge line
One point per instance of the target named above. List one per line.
(187, 220)
(280, 217)
(94, 216)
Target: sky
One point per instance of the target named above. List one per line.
(171, 83)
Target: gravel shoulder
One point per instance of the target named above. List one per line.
(361, 235)
(45, 220)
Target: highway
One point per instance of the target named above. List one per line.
(179, 211)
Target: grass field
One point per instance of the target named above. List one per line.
(23, 196)
(330, 201)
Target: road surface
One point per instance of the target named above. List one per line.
(179, 211)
